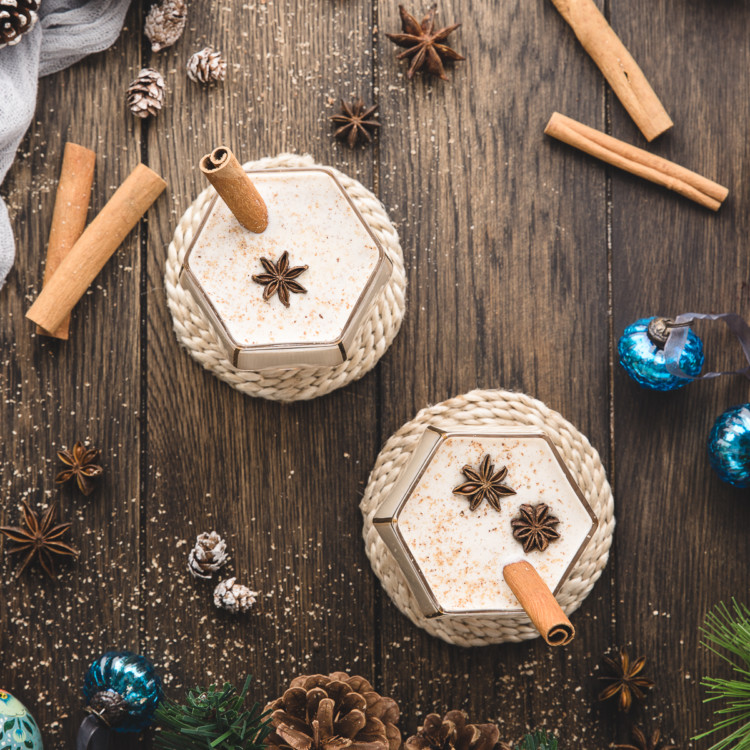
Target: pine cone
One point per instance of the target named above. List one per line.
(16, 18)
(331, 713)
(207, 66)
(165, 23)
(146, 93)
(208, 555)
(234, 597)
(452, 732)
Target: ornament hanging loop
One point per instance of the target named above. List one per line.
(659, 329)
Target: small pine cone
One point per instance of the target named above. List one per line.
(234, 597)
(207, 66)
(453, 732)
(146, 93)
(165, 23)
(17, 17)
(208, 555)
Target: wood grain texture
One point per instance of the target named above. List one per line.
(525, 260)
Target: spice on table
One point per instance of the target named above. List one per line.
(535, 527)
(637, 161)
(206, 66)
(41, 540)
(484, 484)
(145, 95)
(424, 45)
(69, 215)
(453, 732)
(280, 278)
(165, 23)
(82, 467)
(618, 66)
(355, 122)
(641, 741)
(627, 682)
(207, 556)
(95, 247)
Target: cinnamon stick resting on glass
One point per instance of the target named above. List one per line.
(637, 161)
(618, 66)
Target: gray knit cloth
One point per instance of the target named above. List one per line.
(67, 31)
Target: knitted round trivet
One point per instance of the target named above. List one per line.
(490, 409)
(196, 334)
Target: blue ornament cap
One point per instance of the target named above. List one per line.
(18, 730)
(643, 357)
(129, 686)
(729, 446)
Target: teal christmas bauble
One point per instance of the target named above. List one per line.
(729, 446)
(641, 353)
(18, 730)
(123, 690)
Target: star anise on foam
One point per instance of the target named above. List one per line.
(627, 682)
(80, 462)
(535, 527)
(644, 742)
(355, 123)
(484, 484)
(424, 45)
(280, 278)
(39, 539)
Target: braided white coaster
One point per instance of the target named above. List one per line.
(196, 334)
(491, 408)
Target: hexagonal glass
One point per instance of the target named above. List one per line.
(452, 557)
(312, 217)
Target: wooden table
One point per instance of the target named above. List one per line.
(525, 262)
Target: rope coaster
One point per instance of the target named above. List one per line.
(197, 335)
(490, 409)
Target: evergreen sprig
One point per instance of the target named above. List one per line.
(539, 740)
(212, 719)
(729, 630)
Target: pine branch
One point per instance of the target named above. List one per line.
(539, 740)
(728, 630)
(211, 719)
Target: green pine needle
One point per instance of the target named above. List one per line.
(539, 740)
(729, 630)
(212, 719)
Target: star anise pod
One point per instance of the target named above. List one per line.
(279, 277)
(484, 484)
(643, 742)
(423, 44)
(354, 123)
(81, 466)
(535, 527)
(627, 681)
(40, 539)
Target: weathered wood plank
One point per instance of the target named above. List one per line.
(506, 248)
(54, 393)
(682, 545)
(281, 482)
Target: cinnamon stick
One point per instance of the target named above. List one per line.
(637, 161)
(69, 215)
(537, 600)
(616, 63)
(95, 247)
(226, 174)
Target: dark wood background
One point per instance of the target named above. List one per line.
(525, 262)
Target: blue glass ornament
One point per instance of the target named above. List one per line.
(18, 730)
(123, 689)
(641, 352)
(729, 446)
